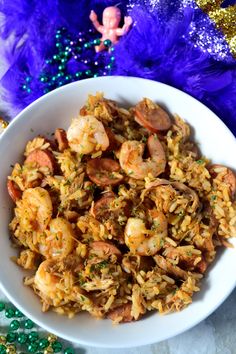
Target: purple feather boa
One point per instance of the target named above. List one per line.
(165, 44)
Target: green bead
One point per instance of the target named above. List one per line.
(109, 66)
(22, 338)
(88, 72)
(112, 49)
(58, 36)
(63, 61)
(78, 74)
(97, 41)
(95, 75)
(56, 346)
(18, 314)
(11, 337)
(32, 347)
(33, 336)
(56, 57)
(107, 43)
(14, 325)
(87, 45)
(2, 306)
(43, 79)
(29, 324)
(54, 78)
(28, 90)
(58, 45)
(28, 79)
(24, 87)
(9, 313)
(48, 61)
(61, 67)
(2, 349)
(112, 58)
(43, 343)
(69, 351)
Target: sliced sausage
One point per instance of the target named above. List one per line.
(42, 158)
(101, 208)
(113, 142)
(202, 266)
(61, 138)
(83, 111)
(229, 178)
(123, 311)
(151, 116)
(104, 249)
(101, 172)
(13, 190)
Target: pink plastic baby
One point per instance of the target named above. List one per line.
(110, 18)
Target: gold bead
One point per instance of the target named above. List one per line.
(3, 123)
(49, 350)
(11, 349)
(3, 339)
(52, 338)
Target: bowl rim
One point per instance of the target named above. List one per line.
(13, 298)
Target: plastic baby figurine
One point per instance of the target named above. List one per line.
(109, 29)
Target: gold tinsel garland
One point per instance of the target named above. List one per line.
(224, 19)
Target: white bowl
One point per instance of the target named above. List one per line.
(56, 109)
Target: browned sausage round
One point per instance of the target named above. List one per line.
(202, 266)
(229, 177)
(83, 111)
(42, 158)
(104, 249)
(151, 116)
(61, 138)
(101, 207)
(123, 311)
(13, 190)
(100, 171)
(113, 143)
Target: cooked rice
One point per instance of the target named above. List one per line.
(198, 205)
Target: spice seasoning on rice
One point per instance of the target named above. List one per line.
(122, 215)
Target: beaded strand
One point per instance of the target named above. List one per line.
(20, 337)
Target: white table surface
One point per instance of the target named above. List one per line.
(215, 335)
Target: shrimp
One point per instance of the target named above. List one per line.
(142, 241)
(34, 209)
(87, 135)
(46, 282)
(132, 163)
(60, 240)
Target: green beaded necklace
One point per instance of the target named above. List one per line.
(20, 339)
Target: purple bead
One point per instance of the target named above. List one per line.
(95, 63)
(75, 57)
(72, 43)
